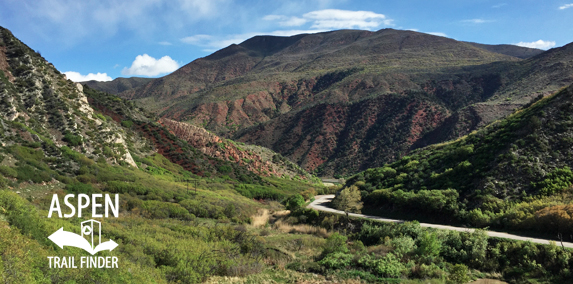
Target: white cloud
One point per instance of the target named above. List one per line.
(438, 34)
(477, 21)
(77, 77)
(566, 6)
(344, 19)
(72, 21)
(196, 39)
(286, 21)
(145, 65)
(499, 5)
(331, 19)
(164, 43)
(317, 21)
(212, 43)
(540, 44)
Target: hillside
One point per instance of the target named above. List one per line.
(58, 137)
(117, 85)
(508, 49)
(194, 207)
(514, 173)
(262, 90)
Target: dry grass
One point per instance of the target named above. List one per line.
(303, 229)
(261, 219)
(282, 213)
(379, 250)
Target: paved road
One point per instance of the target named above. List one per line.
(322, 202)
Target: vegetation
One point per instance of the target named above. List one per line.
(508, 175)
(348, 200)
(187, 217)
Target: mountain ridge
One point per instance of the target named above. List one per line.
(268, 80)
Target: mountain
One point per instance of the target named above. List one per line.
(72, 126)
(512, 174)
(117, 85)
(194, 207)
(343, 101)
(508, 49)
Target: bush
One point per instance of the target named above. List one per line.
(295, 202)
(162, 210)
(335, 243)
(311, 215)
(125, 187)
(79, 187)
(403, 245)
(458, 274)
(28, 173)
(336, 260)
(556, 181)
(127, 123)
(428, 245)
(386, 266)
(73, 140)
(3, 182)
(8, 172)
(259, 192)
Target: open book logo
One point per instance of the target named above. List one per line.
(89, 230)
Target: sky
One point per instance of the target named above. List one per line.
(105, 39)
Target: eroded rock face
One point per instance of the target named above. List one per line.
(256, 159)
(214, 146)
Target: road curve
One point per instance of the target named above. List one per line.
(322, 201)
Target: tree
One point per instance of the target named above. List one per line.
(458, 274)
(428, 245)
(349, 200)
(295, 202)
(335, 243)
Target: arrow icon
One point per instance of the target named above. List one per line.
(63, 238)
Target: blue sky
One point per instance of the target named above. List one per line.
(151, 38)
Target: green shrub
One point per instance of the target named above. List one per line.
(428, 245)
(162, 210)
(8, 172)
(403, 245)
(311, 215)
(79, 187)
(556, 181)
(335, 243)
(386, 266)
(28, 173)
(3, 182)
(125, 187)
(259, 192)
(127, 123)
(336, 260)
(295, 202)
(459, 274)
(72, 140)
